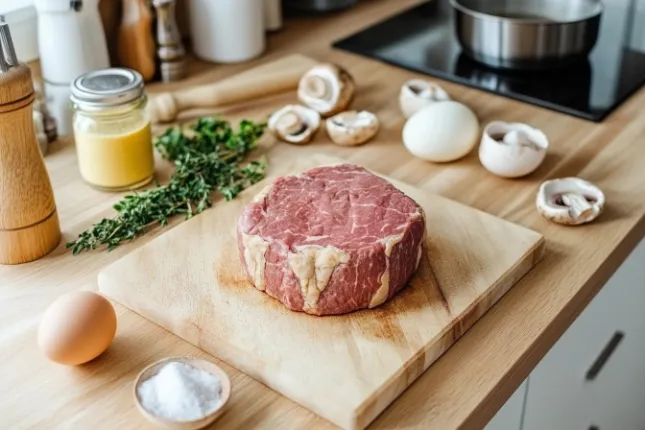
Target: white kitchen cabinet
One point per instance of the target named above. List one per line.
(509, 417)
(576, 386)
(622, 379)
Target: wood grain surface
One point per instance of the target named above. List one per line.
(461, 390)
(191, 282)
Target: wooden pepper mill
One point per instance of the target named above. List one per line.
(171, 52)
(29, 226)
(136, 47)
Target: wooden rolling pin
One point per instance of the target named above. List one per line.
(271, 78)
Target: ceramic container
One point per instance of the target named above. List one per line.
(199, 363)
(227, 31)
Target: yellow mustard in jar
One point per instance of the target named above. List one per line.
(112, 130)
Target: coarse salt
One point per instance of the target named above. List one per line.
(181, 392)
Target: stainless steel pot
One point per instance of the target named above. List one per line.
(527, 33)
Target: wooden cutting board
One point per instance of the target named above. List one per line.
(348, 368)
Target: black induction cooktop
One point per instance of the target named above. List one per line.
(422, 39)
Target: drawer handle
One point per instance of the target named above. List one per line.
(594, 428)
(604, 356)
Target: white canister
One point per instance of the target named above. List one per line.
(71, 40)
(24, 31)
(227, 31)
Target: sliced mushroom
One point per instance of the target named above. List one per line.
(327, 89)
(570, 201)
(352, 128)
(294, 124)
(416, 94)
(512, 150)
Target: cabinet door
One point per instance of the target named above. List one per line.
(621, 380)
(509, 417)
(621, 404)
(594, 376)
(558, 396)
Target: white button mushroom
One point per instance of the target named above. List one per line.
(570, 201)
(327, 89)
(416, 94)
(294, 124)
(441, 132)
(351, 128)
(512, 150)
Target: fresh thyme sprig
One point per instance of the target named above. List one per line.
(207, 159)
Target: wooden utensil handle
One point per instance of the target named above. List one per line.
(260, 82)
(136, 46)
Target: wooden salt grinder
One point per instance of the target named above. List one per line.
(171, 51)
(29, 226)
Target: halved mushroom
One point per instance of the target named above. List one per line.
(512, 150)
(416, 94)
(327, 89)
(294, 124)
(570, 201)
(352, 128)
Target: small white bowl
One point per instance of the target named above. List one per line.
(198, 363)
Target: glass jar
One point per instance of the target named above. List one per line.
(112, 129)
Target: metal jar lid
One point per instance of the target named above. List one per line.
(107, 87)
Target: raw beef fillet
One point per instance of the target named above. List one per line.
(331, 240)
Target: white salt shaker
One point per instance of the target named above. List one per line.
(227, 31)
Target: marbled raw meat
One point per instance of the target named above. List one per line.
(331, 240)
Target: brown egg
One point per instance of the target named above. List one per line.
(77, 327)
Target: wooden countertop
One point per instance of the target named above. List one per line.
(465, 387)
